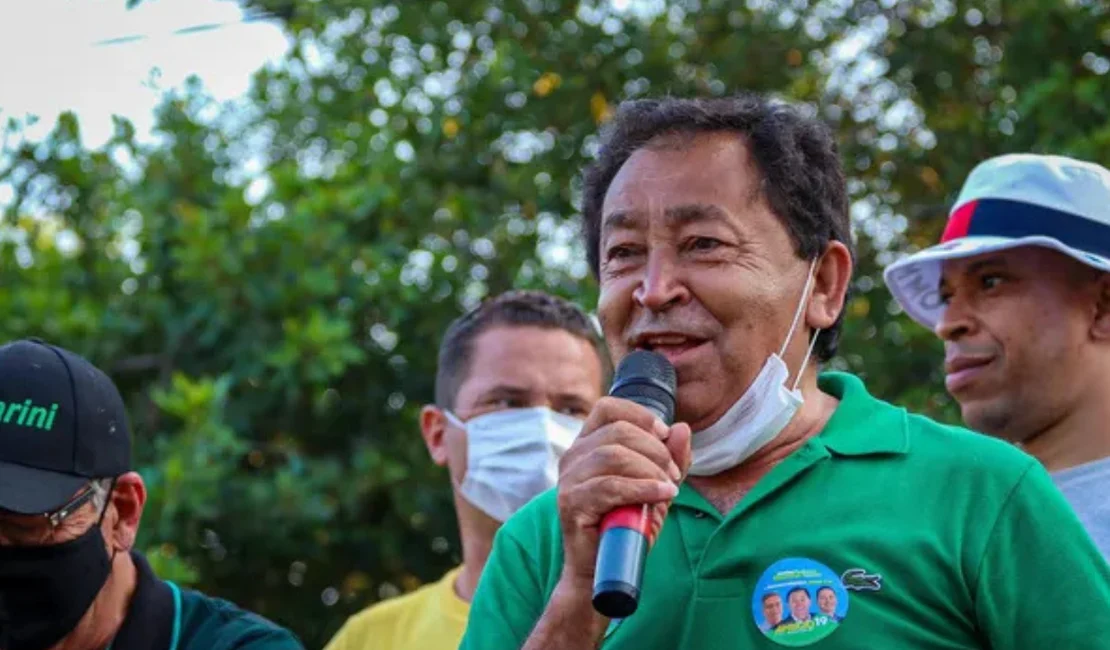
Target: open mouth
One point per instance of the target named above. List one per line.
(674, 347)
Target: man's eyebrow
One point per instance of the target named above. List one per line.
(498, 390)
(681, 215)
(572, 398)
(16, 521)
(991, 264)
(675, 216)
(620, 219)
(20, 524)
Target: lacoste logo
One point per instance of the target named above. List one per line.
(861, 580)
(28, 414)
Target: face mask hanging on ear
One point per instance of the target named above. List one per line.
(760, 414)
(512, 456)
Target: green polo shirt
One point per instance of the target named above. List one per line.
(915, 534)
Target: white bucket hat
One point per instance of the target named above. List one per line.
(1009, 201)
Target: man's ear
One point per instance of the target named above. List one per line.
(433, 425)
(1100, 328)
(830, 284)
(128, 499)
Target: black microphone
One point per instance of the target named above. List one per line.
(648, 379)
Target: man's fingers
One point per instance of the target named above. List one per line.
(597, 496)
(658, 516)
(614, 443)
(652, 448)
(678, 445)
(614, 409)
(615, 461)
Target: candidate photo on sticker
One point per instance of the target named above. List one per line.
(798, 602)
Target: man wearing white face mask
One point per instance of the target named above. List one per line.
(516, 378)
(719, 232)
(512, 456)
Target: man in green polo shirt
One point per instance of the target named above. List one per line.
(719, 232)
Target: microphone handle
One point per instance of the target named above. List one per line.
(625, 531)
(621, 555)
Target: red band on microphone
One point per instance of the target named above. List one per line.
(637, 518)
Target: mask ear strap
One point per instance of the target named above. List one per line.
(107, 502)
(454, 419)
(100, 521)
(794, 326)
(805, 360)
(801, 306)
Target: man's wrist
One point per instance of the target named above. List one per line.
(575, 587)
(574, 596)
(569, 621)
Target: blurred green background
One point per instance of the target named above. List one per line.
(267, 283)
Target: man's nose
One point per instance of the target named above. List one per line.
(956, 320)
(662, 285)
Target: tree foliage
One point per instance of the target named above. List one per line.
(268, 282)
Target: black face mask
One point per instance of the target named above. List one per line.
(45, 590)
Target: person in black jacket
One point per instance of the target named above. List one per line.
(70, 507)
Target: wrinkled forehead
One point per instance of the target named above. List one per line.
(963, 265)
(659, 179)
(526, 360)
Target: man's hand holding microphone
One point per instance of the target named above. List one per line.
(616, 483)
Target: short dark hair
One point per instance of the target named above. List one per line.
(797, 589)
(512, 308)
(803, 180)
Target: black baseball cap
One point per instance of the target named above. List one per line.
(62, 424)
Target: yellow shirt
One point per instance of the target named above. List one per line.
(431, 618)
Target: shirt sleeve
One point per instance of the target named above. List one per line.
(1042, 582)
(509, 598)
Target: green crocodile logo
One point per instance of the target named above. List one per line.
(861, 580)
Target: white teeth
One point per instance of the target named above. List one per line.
(667, 340)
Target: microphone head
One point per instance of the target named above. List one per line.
(648, 379)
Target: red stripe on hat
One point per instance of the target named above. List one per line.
(959, 222)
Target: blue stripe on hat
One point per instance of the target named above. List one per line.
(1014, 219)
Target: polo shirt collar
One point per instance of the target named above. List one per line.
(150, 617)
(861, 424)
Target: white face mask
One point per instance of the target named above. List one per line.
(512, 456)
(760, 414)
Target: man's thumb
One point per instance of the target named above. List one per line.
(678, 443)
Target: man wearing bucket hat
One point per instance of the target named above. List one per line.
(70, 506)
(1019, 292)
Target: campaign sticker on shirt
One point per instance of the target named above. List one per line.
(799, 601)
